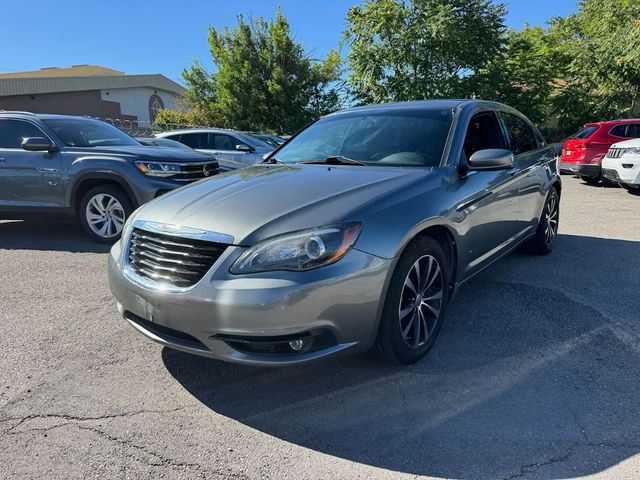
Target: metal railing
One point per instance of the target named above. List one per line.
(141, 128)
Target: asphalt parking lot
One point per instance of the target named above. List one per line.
(536, 374)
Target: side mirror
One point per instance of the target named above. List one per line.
(491, 159)
(244, 148)
(38, 144)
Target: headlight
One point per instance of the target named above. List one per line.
(127, 229)
(158, 169)
(635, 150)
(299, 251)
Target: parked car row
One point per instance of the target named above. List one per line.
(605, 151)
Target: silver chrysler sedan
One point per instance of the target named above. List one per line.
(354, 234)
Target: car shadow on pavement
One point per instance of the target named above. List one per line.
(38, 235)
(527, 379)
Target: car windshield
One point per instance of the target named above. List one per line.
(253, 141)
(387, 138)
(270, 140)
(80, 132)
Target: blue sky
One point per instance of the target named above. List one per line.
(164, 36)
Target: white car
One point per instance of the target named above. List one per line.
(223, 144)
(622, 164)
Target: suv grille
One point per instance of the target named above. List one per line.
(615, 152)
(170, 260)
(190, 172)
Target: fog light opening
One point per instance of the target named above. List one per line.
(297, 344)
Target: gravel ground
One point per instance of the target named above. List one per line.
(536, 374)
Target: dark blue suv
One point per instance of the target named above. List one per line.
(63, 166)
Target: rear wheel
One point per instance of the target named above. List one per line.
(103, 211)
(545, 238)
(416, 303)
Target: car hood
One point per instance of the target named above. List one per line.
(258, 202)
(634, 142)
(142, 152)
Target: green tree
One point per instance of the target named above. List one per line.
(601, 49)
(266, 81)
(523, 73)
(610, 34)
(416, 49)
(201, 97)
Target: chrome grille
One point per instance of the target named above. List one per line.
(615, 152)
(169, 260)
(190, 172)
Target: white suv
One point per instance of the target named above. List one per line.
(222, 144)
(622, 164)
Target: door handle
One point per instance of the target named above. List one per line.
(2, 160)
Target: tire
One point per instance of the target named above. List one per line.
(590, 180)
(427, 315)
(104, 208)
(547, 232)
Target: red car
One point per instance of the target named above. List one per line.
(583, 153)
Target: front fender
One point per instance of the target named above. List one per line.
(86, 169)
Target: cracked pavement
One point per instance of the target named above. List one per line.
(536, 375)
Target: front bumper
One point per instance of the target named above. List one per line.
(340, 301)
(625, 170)
(584, 169)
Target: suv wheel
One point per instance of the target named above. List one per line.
(416, 302)
(589, 180)
(103, 211)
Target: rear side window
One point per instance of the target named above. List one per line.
(12, 132)
(224, 142)
(629, 130)
(521, 135)
(193, 140)
(585, 133)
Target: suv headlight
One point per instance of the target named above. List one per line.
(634, 150)
(299, 251)
(158, 169)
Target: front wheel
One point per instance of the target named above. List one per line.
(103, 212)
(416, 302)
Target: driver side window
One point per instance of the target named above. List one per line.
(13, 132)
(483, 132)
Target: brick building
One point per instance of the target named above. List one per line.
(89, 90)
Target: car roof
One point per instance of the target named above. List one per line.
(418, 104)
(443, 104)
(620, 121)
(42, 116)
(195, 130)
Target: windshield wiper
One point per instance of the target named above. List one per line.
(336, 160)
